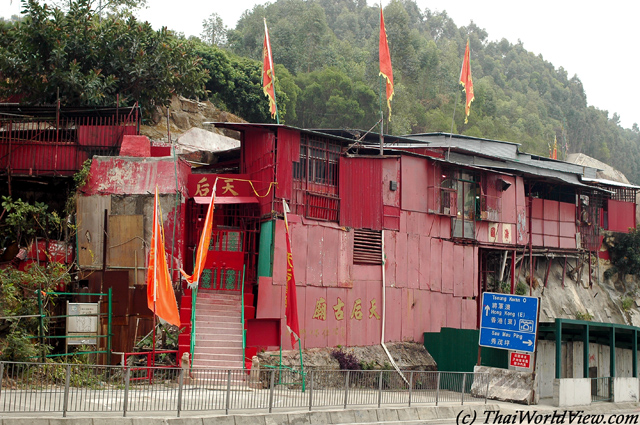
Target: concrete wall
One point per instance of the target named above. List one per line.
(625, 390)
(571, 392)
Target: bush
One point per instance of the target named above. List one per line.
(347, 361)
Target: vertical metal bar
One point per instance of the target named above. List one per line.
(346, 388)
(310, 386)
(1, 376)
(558, 348)
(438, 388)
(271, 388)
(180, 382)
(464, 383)
(65, 403)
(486, 392)
(634, 356)
(126, 391)
(410, 386)
(380, 389)
(228, 402)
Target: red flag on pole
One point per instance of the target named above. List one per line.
(203, 244)
(160, 296)
(291, 296)
(467, 82)
(268, 74)
(385, 62)
(554, 154)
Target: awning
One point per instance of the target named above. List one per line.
(227, 199)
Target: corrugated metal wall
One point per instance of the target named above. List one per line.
(361, 193)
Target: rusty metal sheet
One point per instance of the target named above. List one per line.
(90, 218)
(447, 271)
(413, 261)
(401, 260)
(315, 251)
(126, 241)
(436, 262)
(330, 255)
(414, 178)
(454, 312)
(337, 316)
(393, 326)
(425, 262)
(408, 319)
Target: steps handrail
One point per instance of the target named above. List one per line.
(244, 331)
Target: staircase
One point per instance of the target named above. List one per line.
(218, 330)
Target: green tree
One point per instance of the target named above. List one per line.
(85, 61)
(214, 31)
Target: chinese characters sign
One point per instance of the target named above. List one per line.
(520, 360)
(320, 312)
(508, 322)
(229, 185)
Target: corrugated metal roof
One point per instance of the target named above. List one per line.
(610, 183)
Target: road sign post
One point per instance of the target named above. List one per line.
(509, 322)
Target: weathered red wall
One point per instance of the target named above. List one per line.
(622, 215)
(553, 224)
(360, 186)
(258, 161)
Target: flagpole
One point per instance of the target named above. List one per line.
(155, 275)
(381, 120)
(273, 71)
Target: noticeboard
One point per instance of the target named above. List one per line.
(82, 323)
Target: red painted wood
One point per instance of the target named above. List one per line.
(447, 270)
(257, 151)
(425, 262)
(314, 330)
(299, 242)
(454, 312)
(414, 176)
(331, 253)
(421, 313)
(537, 208)
(469, 314)
(468, 272)
(438, 311)
(336, 323)
(364, 273)
(476, 278)
(391, 172)
(408, 301)
(390, 261)
(280, 254)
(508, 200)
(568, 229)
(622, 215)
(345, 260)
(402, 262)
(458, 270)
(551, 210)
(391, 217)
(393, 328)
(315, 248)
(436, 262)
(270, 299)
(356, 314)
(374, 321)
(413, 261)
(445, 227)
(567, 212)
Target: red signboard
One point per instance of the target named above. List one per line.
(231, 185)
(520, 360)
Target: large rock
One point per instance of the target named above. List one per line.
(505, 385)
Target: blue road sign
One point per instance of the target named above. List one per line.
(509, 322)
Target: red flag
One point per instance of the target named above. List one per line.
(467, 82)
(385, 62)
(203, 245)
(290, 296)
(267, 73)
(554, 154)
(160, 296)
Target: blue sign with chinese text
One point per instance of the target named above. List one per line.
(509, 322)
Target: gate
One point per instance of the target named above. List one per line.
(223, 268)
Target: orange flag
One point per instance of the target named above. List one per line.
(160, 296)
(290, 295)
(203, 245)
(267, 73)
(467, 82)
(554, 154)
(385, 62)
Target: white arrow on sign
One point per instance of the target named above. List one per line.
(529, 343)
(486, 309)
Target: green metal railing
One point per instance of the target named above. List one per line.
(244, 330)
(41, 316)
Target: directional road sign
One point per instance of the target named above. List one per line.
(509, 322)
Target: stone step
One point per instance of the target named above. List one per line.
(203, 348)
(207, 318)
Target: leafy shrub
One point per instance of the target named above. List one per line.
(346, 360)
(626, 303)
(521, 289)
